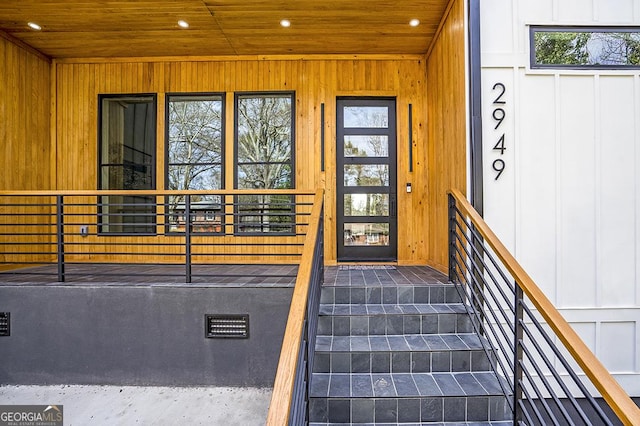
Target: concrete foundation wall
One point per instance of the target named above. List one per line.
(139, 335)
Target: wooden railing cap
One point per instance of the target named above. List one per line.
(619, 401)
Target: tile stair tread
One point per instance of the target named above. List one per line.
(343, 284)
(404, 385)
(400, 309)
(496, 423)
(376, 282)
(376, 299)
(399, 343)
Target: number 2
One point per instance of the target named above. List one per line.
(498, 99)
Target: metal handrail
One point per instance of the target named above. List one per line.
(519, 328)
(53, 233)
(289, 400)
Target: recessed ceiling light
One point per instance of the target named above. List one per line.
(414, 22)
(285, 23)
(183, 24)
(34, 26)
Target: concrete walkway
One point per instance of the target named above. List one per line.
(133, 405)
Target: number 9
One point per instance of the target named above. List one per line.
(498, 115)
(498, 166)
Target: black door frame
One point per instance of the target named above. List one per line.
(374, 253)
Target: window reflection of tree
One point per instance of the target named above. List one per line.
(195, 147)
(366, 117)
(619, 48)
(588, 48)
(265, 161)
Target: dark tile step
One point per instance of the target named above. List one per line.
(496, 423)
(391, 308)
(401, 361)
(382, 275)
(429, 293)
(399, 342)
(473, 409)
(361, 320)
(404, 385)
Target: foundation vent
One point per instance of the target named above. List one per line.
(5, 325)
(227, 326)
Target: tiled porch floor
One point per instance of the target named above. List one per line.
(382, 276)
(138, 274)
(248, 275)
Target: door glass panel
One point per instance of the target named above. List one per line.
(366, 117)
(366, 234)
(366, 204)
(366, 146)
(366, 175)
(366, 152)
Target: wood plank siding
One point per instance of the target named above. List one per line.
(315, 82)
(97, 28)
(446, 127)
(24, 114)
(24, 132)
(433, 86)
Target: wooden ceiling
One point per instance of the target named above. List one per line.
(140, 28)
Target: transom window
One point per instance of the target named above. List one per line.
(264, 142)
(585, 47)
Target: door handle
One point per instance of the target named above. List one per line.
(393, 205)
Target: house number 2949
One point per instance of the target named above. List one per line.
(498, 114)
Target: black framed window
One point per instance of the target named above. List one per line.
(195, 159)
(585, 47)
(264, 159)
(127, 146)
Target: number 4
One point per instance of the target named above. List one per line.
(499, 146)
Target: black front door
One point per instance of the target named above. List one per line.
(366, 179)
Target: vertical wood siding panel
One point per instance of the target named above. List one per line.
(537, 188)
(616, 347)
(4, 95)
(446, 163)
(331, 77)
(498, 37)
(575, 11)
(25, 132)
(617, 176)
(578, 252)
(538, 11)
(615, 11)
(577, 177)
(315, 81)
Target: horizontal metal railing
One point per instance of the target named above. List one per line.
(55, 233)
(290, 397)
(549, 375)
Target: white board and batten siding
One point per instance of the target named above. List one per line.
(568, 201)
